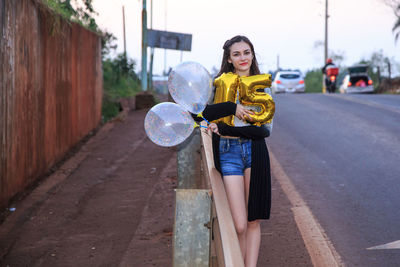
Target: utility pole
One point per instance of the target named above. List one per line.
(144, 47)
(123, 23)
(151, 49)
(277, 62)
(326, 30)
(326, 44)
(165, 26)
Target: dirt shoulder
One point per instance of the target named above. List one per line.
(112, 204)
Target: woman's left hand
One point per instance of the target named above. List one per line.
(214, 128)
(243, 113)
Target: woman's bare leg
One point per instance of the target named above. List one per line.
(235, 191)
(253, 232)
(253, 235)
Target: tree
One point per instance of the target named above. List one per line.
(395, 5)
(381, 64)
(82, 12)
(313, 81)
(336, 56)
(107, 44)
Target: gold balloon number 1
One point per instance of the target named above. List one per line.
(226, 90)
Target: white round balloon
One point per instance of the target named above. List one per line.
(190, 85)
(168, 124)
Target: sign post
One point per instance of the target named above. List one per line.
(169, 40)
(144, 47)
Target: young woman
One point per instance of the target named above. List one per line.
(241, 155)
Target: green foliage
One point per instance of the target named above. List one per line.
(313, 81)
(109, 109)
(81, 15)
(395, 5)
(107, 44)
(119, 81)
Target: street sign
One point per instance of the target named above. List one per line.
(169, 40)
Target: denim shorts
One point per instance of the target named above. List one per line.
(234, 155)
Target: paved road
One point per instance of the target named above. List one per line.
(342, 153)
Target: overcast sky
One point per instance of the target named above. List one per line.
(288, 28)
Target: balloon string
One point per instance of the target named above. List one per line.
(201, 116)
(197, 125)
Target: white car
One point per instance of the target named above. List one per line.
(288, 81)
(357, 80)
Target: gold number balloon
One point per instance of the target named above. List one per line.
(249, 96)
(226, 90)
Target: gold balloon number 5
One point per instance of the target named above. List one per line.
(226, 90)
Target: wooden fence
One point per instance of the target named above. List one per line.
(51, 90)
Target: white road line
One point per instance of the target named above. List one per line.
(391, 245)
(318, 245)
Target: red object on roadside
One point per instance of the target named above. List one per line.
(361, 83)
(332, 71)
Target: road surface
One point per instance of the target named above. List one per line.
(342, 153)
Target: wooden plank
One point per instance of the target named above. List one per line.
(230, 244)
(218, 244)
(204, 169)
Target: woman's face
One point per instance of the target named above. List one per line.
(241, 58)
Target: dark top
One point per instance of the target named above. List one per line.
(326, 65)
(259, 205)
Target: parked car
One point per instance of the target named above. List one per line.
(357, 80)
(288, 81)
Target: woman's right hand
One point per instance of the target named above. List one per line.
(243, 113)
(213, 127)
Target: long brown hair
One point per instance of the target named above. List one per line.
(228, 67)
